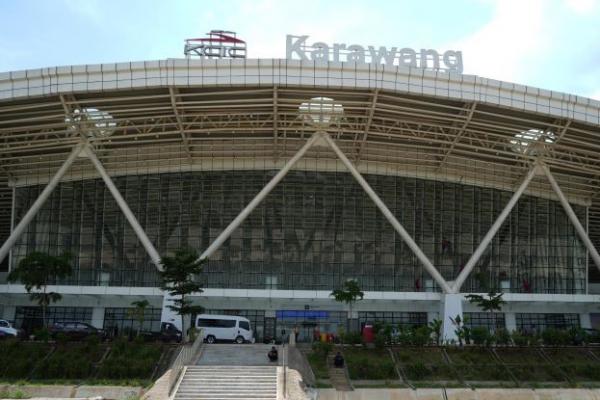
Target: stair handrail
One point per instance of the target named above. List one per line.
(284, 362)
(186, 355)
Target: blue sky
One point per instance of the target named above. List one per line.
(553, 44)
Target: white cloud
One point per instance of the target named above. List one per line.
(581, 6)
(503, 47)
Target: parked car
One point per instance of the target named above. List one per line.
(6, 329)
(225, 328)
(168, 333)
(75, 330)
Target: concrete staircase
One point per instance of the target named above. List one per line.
(227, 382)
(338, 376)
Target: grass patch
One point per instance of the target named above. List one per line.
(429, 372)
(130, 360)
(18, 360)
(471, 356)
(519, 355)
(369, 364)
(425, 355)
(318, 363)
(569, 355)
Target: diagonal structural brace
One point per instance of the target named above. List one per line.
(323, 136)
(462, 276)
(573, 217)
(389, 216)
(257, 199)
(139, 231)
(39, 202)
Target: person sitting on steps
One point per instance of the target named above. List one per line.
(272, 354)
(338, 360)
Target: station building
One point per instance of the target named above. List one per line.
(292, 176)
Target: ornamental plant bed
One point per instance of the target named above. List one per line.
(520, 355)
(430, 372)
(70, 361)
(130, 360)
(536, 373)
(487, 372)
(423, 355)
(18, 359)
(570, 355)
(318, 363)
(471, 356)
(369, 364)
(582, 372)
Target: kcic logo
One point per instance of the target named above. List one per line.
(218, 44)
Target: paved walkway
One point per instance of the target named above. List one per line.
(237, 354)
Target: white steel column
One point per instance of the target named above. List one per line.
(462, 276)
(451, 307)
(389, 216)
(39, 202)
(574, 220)
(139, 231)
(257, 199)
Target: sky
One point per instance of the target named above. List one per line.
(551, 44)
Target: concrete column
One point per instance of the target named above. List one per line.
(451, 307)
(510, 319)
(585, 321)
(8, 313)
(98, 317)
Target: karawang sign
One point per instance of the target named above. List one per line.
(297, 48)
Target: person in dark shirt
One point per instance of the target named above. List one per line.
(272, 354)
(338, 360)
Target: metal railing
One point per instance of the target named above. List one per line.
(186, 355)
(284, 362)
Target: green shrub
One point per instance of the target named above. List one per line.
(352, 338)
(370, 365)
(480, 335)
(380, 341)
(520, 339)
(417, 372)
(322, 348)
(421, 336)
(501, 337)
(555, 337)
(42, 334)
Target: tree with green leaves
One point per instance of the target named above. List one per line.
(38, 270)
(138, 312)
(492, 303)
(178, 280)
(349, 294)
(435, 326)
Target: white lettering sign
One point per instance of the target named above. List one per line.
(297, 48)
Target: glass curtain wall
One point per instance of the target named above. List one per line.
(314, 231)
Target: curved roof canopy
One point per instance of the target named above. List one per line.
(162, 115)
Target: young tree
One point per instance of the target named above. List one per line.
(138, 313)
(178, 280)
(349, 294)
(38, 270)
(436, 328)
(493, 302)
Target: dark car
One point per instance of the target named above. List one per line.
(168, 333)
(75, 330)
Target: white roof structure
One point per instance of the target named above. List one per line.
(147, 117)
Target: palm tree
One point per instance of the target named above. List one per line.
(493, 302)
(349, 294)
(138, 313)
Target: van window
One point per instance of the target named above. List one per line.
(245, 325)
(216, 323)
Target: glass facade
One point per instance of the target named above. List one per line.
(491, 321)
(313, 231)
(121, 320)
(539, 322)
(409, 319)
(30, 318)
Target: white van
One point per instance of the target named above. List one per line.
(229, 328)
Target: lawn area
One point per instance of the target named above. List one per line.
(318, 363)
(429, 372)
(519, 355)
(79, 362)
(369, 364)
(415, 355)
(569, 355)
(17, 360)
(471, 356)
